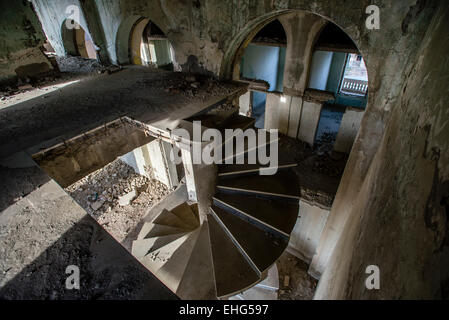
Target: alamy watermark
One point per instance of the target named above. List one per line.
(73, 15)
(235, 146)
(373, 280)
(73, 281)
(373, 20)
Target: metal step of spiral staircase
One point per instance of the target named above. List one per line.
(230, 249)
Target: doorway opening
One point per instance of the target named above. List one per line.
(77, 41)
(263, 64)
(149, 46)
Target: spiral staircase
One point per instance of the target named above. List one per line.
(231, 248)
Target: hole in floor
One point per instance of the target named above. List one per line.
(116, 173)
(117, 197)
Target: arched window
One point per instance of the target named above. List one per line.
(150, 46)
(77, 42)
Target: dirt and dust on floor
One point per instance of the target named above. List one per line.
(117, 197)
(294, 281)
(67, 69)
(320, 159)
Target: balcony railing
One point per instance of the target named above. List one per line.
(352, 86)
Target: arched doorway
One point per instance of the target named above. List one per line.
(338, 69)
(149, 46)
(77, 42)
(317, 63)
(262, 65)
(315, 75)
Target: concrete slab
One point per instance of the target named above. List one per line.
(143, 247)
(200, 263)
(136, 92)
(172, 272)
(306, 234)
(56, 233)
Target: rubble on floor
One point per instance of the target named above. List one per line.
(117, 197)
(27, 84)
(325, 143)
(319, 159)
(189, 85)
(70, 67)
(294, 281)
(81, 65)
(296, 148)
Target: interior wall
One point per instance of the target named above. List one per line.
(261, 63)
(21, 36)
(320, 69)
(52, 15)
(400, 217)
(281, 68)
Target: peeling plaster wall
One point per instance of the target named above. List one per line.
(400, 218)
(21, 36)
(52, 15)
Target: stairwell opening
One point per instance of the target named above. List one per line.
(114, 173)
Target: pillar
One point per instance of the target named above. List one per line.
(310, 117)
(348, 130)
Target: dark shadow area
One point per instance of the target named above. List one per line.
(332, 37)
(330, 121)
(17, 183)
(272, 33)
(107, 270)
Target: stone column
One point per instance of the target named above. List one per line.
(349, 128)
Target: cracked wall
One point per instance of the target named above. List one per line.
(21, 35)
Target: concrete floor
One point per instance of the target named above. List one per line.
(55, 233)
(141, 93)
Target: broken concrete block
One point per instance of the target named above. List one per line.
(127, 198)
(96, 205)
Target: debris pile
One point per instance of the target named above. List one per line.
(24, 85)
(117, 197)
(197, 86)
(79, 65)
(298, 149)
(294, 281)
(325, 143)
(321, 159)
